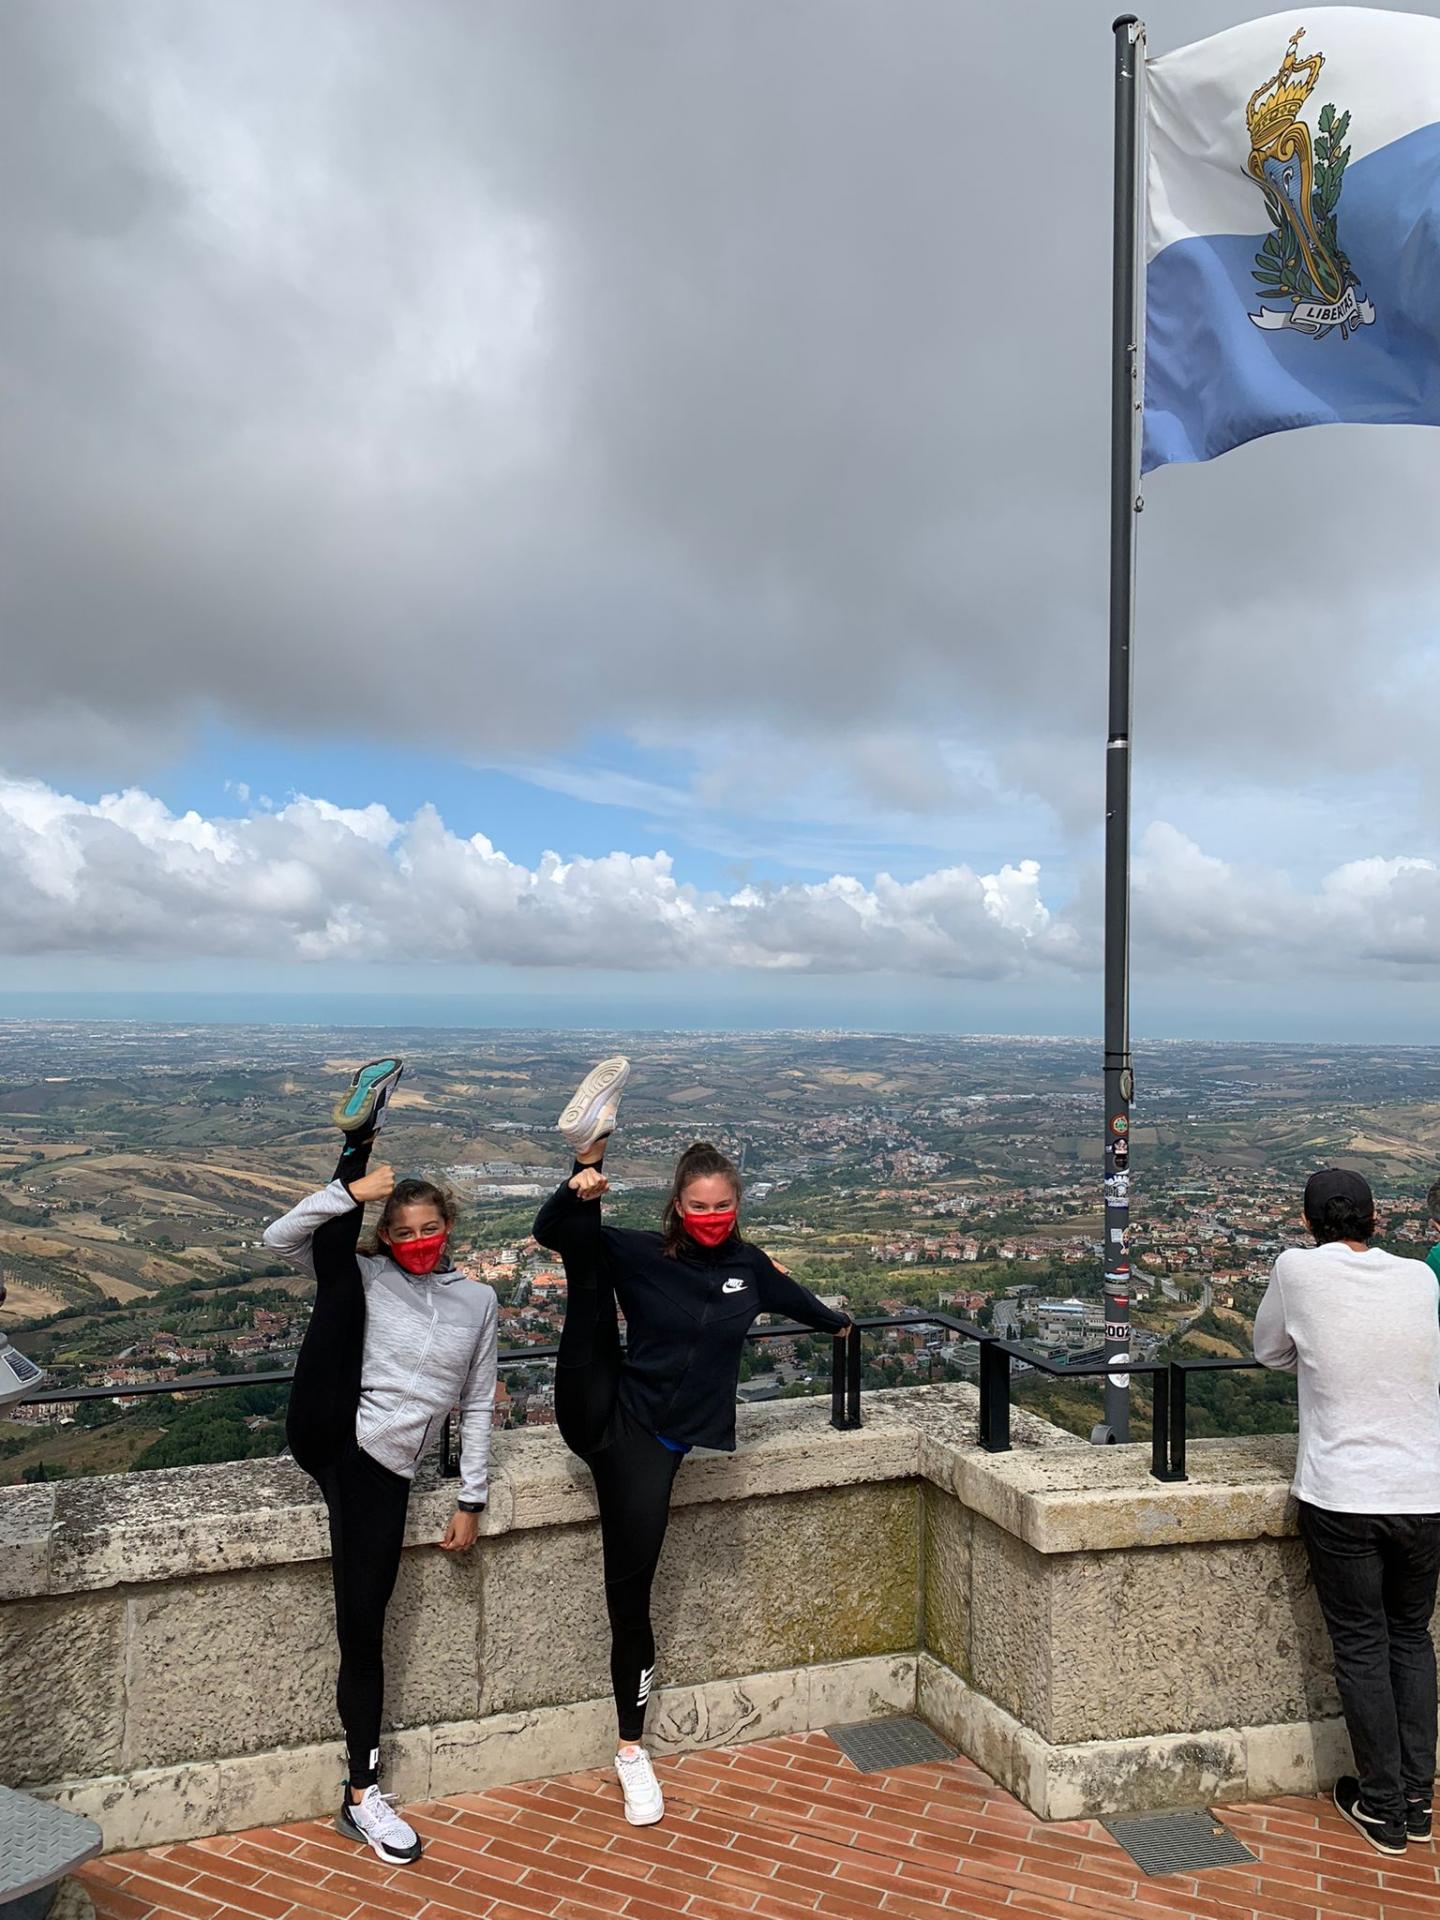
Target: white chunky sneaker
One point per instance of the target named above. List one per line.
(374, 1820)
(644, 1802)
(591, 1112)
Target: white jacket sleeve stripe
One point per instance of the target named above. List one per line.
(477, 1412)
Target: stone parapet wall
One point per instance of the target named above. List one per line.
(168, 1645)
(1096, 1639)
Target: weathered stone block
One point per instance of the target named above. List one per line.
(230, 1664)
(855, 1690)
(26, 1517)
(742, 1588)
(522, 1746)
(722, 1713)
(1296, 1759)
(825, 1575)
(237, 1663)
(1010, 1639)
(64, 1677)
(268, 1789)
(184, 1521)
(947, 1580)
(148, 1807)
(1089, 1777)
(432, 1637)
(1144, 1641)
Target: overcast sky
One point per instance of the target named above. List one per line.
(584, 490)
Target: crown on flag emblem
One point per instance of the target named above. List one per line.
(1301, 181)
(1276, 105)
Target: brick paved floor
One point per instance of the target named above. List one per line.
(781, 1830)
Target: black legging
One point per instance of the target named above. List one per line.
(633, 1471)
(366, 1502)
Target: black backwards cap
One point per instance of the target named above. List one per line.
(1337, 1183)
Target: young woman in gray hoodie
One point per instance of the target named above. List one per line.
(398, 1337)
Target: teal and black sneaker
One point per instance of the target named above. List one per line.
(362, 1109)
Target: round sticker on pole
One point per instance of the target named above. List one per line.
(1120, 1380)
(1120, 1124)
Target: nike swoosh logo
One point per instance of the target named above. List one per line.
(733, 1286)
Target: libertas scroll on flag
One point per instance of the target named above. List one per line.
(1292, 233)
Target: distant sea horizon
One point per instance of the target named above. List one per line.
(524, 1012)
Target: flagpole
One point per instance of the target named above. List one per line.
(1124, 504)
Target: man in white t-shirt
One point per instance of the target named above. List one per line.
(1360, 1328)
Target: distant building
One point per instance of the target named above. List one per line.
(30, 1415)
(1061, 1320)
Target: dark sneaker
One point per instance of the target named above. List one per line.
(362, 1109)
(373, 1821)
(1419, 1821)
(1386, 1836)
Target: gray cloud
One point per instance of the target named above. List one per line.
(493, 377)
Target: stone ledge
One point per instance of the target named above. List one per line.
(1169, 1770)
(142, 1528)
(1087, 1499)
(1053, 1491)
(190, 1802)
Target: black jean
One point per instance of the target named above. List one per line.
(1375, 1577)
(634, 1473)
(366, 1502)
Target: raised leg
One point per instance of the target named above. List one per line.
(320, 1419)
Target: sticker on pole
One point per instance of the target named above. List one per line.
(1120, 1124)
(1120, 1380)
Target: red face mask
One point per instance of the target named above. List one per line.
(710, 1229)
(418, 1256)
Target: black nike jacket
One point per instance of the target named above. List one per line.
(686, 1316)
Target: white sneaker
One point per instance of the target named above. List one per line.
(644, 1802)
(374, 1820)
(591, 1112)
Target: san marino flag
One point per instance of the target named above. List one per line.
(1292, 230)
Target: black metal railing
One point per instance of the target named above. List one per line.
(1168, 1384)
(995, 1356)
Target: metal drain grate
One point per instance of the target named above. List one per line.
(39, 1843)
(1177, 1842)
(874, 1746)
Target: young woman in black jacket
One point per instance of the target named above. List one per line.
(690, 1294)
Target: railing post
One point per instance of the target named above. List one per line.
(994, 1397)
(1160, 1427)
(1177, 1421)
(839, 1380)
(852, 1379)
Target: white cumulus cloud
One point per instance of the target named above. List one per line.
(124, 877)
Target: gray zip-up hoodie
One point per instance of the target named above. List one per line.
(430, 1345)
